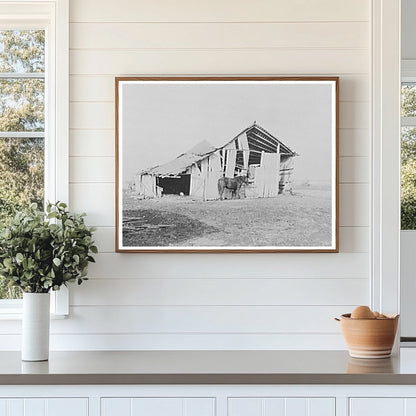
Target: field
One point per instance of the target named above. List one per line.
(302, 219)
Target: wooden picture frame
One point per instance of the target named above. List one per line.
(227, 164)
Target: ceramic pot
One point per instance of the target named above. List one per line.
(369, 338)
(35, 326)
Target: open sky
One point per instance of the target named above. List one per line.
(162, 120)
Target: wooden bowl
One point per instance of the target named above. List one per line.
(369, 338)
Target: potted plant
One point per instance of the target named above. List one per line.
(40, 252)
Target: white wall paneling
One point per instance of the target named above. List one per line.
(96, 199)
(344, 266)
(260, 301)
(185, 340)
(97, 143)
(219, 291)
(353, 142)
(218, 35)
(96, 169)
(217, 11)
(353, 169)
(296, 61)
(99, 88)
(354, 205)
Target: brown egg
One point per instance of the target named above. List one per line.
(362, 312)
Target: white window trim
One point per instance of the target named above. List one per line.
(53, 15)
(385, 206)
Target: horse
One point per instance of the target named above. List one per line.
(233, 184)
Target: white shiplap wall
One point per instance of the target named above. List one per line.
(165, 301)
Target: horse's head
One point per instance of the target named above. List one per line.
(243, 179)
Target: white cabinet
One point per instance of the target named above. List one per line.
(44, 407)
(208, 400)
(157, 406)
(383, 406)
(281, 406)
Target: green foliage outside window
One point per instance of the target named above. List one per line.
(408, 179)
(21, 110)
(408, 160)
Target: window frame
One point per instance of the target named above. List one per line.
(53, 17)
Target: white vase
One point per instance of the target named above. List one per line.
(35, 326)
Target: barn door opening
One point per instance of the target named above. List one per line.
(175, 186)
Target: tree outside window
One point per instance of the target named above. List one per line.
(22, 124)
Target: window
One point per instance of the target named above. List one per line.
(22, 124)
(33, 111)
(408, 150)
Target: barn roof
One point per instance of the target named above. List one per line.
(183, 161)
(257, 136)
(257, 133)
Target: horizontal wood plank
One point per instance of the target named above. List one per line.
(219, 11)
(352, 239)
(354, 115)
(91, 169)
(99, 88)
(193, 320)
(218, 35)
(354, 205)
(218, 292)
(220, 62)
(96, 199)
(354, 169)
(104, 238)
(204, 265)
(354, 142)
(146, 342)
(101, 115)
(96, 143)
(200, 319)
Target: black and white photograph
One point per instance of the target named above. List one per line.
(227, 164)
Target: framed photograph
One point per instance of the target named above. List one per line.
(227, 164)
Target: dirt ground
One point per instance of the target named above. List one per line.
(302, 219)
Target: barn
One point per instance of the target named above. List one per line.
(254, 152)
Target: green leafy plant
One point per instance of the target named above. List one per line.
(43, 251)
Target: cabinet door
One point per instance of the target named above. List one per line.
(393, 406)
(155, 406)
(377, 407)
(44, 407)
(272, 406)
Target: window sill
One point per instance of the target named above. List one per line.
(17, 316)
(11, 309)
